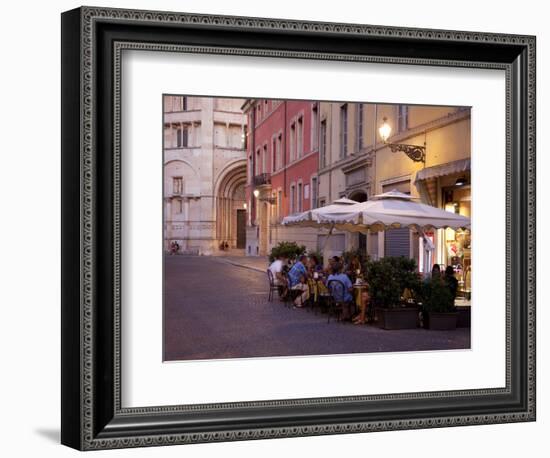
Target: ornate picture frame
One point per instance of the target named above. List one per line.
(92, 42)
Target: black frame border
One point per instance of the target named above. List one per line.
(92, 42)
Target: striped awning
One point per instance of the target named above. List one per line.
(462, 165)
(425, 180)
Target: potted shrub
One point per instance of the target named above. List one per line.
(387, 279)
(289, 250)
(438, 307)
(464, 316)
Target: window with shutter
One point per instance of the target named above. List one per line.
(397, 242)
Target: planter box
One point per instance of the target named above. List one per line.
(464, 316)
(442, 321)
(397, 318)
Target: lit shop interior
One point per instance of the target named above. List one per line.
(455, 246)
(449, 187)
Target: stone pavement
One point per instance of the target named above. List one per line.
(216, 309)
(258, 263)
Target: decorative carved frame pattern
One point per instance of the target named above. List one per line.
(89, 438)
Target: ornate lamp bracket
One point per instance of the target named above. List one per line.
(414, 152)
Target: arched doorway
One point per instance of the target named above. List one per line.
(230, 207)
(360, 196)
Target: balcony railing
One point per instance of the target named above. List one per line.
(262, 179)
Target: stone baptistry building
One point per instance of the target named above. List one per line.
(204, 174)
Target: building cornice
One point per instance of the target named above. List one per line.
(247, 104)
(195, 110)
(362, 160)
(354, 160)
(429, 126)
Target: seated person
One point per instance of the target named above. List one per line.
(353, 267)
(348, 288)
(297, 277)
(276, 268)
(451, 281)
(363, 304)
(334, 260)
(314, 265)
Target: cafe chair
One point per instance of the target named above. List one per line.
(291, 294)
(272, 286)
(336, 300)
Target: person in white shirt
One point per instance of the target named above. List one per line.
(276, 268)
(279, 280)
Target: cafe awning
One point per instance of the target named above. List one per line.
(310, 218)
(392, 210)
(425, 180)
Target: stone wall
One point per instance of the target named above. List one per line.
(204, 172)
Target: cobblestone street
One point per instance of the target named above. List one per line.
(215, 309)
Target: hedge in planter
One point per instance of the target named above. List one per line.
(288, 250)
(438, 307)
(387, 279)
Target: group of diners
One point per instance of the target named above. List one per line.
(448, 277)
(305, 281)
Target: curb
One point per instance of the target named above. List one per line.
(244, 266)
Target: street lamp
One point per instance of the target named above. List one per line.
(254, 209)
(461, 181)
(414, 152)
(385, 130)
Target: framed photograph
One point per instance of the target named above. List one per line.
(276, 228)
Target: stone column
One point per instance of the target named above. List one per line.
(206, 172)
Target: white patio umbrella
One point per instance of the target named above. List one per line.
(392, 210)
(310, 218)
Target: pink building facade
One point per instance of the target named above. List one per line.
(282, 146)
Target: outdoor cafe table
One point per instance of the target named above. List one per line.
(360, 287)
(317, 288)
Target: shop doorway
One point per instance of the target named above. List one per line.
(241, 228)
(230, 203)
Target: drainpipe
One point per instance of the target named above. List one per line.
(373, 189)
(374, 145)
(329, 142)
(253, 171)
(284, 150)
(318, 153)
